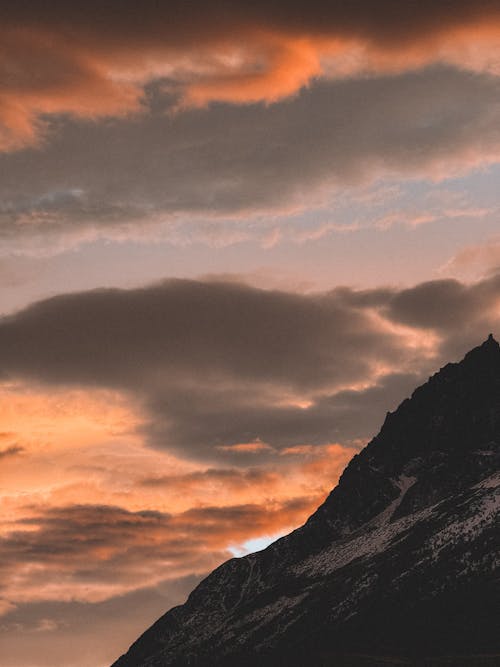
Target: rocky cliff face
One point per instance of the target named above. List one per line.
(401, 559)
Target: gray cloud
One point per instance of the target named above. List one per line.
(447, 306)
(112, 178)
(387, 21)
(223, 419)
(218, 364)
(185, 332)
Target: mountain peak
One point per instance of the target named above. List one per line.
(487, 355)
(399, 560)
(491, 343)
(433, 435)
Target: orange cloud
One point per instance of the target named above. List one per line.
(50, 423)
(45, 74)
(273, 67)
(94, 552)
(92, 62)
(90, 512)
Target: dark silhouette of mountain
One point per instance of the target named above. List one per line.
(400, 560)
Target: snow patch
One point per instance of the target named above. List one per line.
(404, 483)
(490, 482)
(483, 511)
(341, 553)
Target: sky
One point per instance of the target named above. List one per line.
(232, 237)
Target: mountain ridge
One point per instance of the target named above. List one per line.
(411, 524)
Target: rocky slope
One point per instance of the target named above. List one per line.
(401, 559)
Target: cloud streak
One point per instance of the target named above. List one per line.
(95, 552)
(216, 176)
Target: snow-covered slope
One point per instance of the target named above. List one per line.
(401, 559)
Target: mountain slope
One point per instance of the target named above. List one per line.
(401, 559)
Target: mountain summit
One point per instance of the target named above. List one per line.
(400, 560)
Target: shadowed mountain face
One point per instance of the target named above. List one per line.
(401, 559)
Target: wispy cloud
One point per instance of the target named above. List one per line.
(475, 260)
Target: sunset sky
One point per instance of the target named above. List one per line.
(232, 237)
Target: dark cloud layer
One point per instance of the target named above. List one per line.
(219, 364)
(186, 332)
(223, 419)
(386, 20)
(93, 60)
(211, 361)
(109, 178)
(444, 304)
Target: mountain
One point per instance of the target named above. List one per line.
(400, 560)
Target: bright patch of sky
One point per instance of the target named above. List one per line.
(253, 545)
